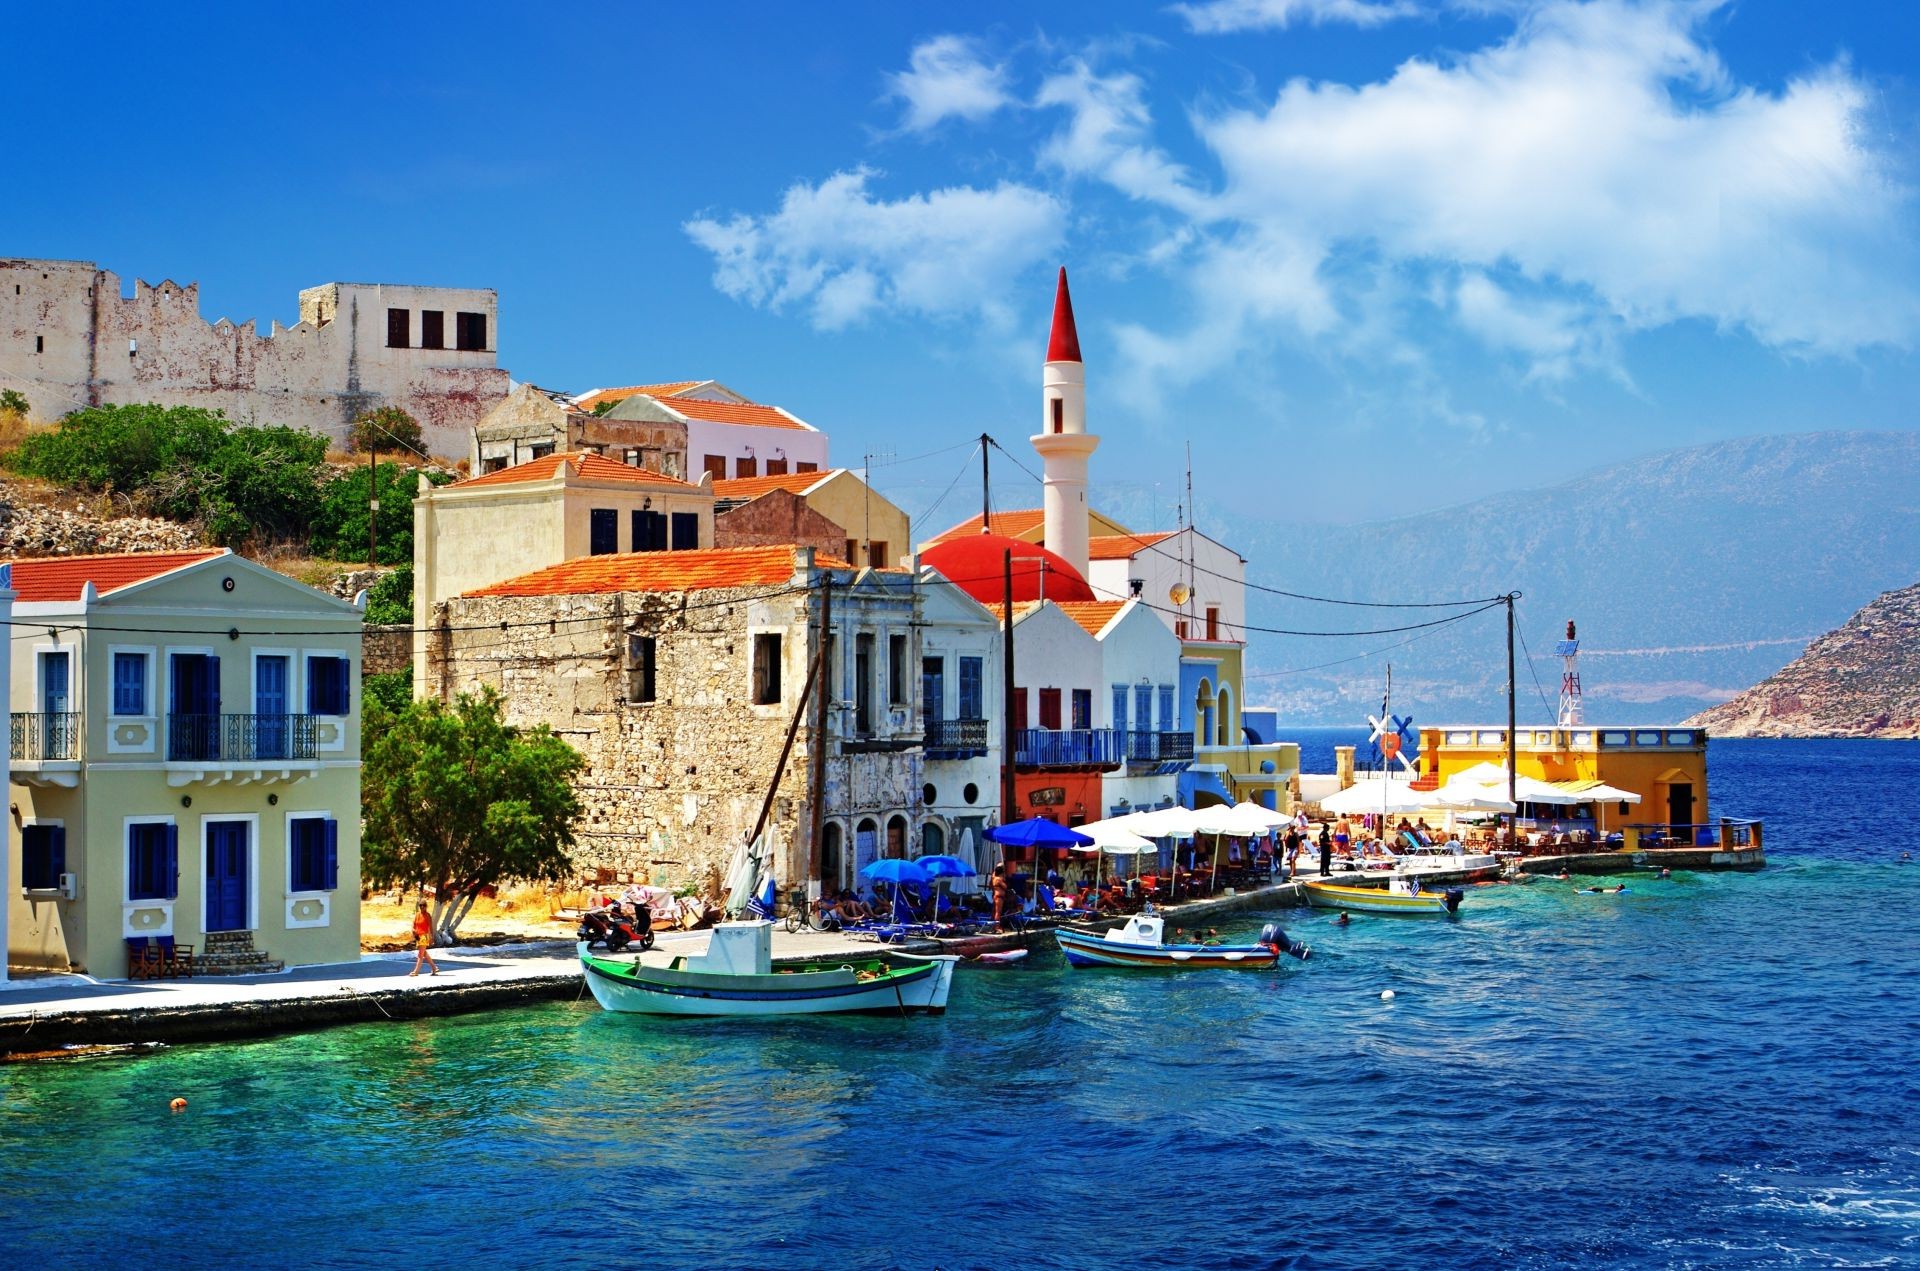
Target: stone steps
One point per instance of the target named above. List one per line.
(232, 953)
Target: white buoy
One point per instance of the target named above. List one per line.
(1386, 995)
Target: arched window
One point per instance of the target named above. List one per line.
(866, 844)
(896, 837)
(933, 840)
(1203, 703)
(1223, 722)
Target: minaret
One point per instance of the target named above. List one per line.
(1064, 443)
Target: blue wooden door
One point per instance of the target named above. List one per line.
(227, 875)
(270, 706)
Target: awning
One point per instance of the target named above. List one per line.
(1597, 792)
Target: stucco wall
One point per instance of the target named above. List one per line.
(778, 516)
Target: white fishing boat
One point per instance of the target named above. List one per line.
(735, 976)
(1439, 865)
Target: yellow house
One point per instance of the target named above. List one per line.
(876, 531)
(1666, 767)
(185, 761)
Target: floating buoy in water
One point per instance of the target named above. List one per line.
(178, 1104)
(1386, 995)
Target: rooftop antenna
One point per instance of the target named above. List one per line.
(1569, 650)
(866, 503)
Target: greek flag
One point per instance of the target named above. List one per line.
(761, 906)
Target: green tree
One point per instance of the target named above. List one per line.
(340, 520)
(457, 799)
(388, 428)
(390, 601)
(14, 402)
(393, 690)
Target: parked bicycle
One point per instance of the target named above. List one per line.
(802, 912)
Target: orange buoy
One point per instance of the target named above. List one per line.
(178, 1104)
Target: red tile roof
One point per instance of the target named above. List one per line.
(754, 487)
(1122, 546)
(654, 571)
(60, 578)
(1013, 524)
(1094, 615)
(733, 413)
(582, 464)
(599, 395)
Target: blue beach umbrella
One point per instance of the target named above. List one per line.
(890, 870)
(1038, 832)
(939, 867)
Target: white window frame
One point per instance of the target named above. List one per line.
(296, 900)
(128, 905)
(25, 821)
(150, 720)
(75, 677)
(296, 677)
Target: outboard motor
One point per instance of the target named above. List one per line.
(1454, 896)
(1273, 937)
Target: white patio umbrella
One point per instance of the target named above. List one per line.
(1386, 797)
(968, 850)
(743, 877)
(1266, 818)
(1472, 796)
(1160, 823)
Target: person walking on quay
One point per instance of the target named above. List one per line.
(1326, 852)
(422, 940)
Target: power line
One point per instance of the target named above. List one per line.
(1361, 657)
(1521, 628)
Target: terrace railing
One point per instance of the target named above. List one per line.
(956, 738)
(38, 736)
(1069, 748)
(241, 738)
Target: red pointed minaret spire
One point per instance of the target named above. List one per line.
(1064, 344)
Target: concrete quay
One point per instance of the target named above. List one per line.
(1655, 858)
(59, 1016)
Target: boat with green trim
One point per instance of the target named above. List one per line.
(1399, 897)
(735, 976)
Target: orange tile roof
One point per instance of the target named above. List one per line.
(1122, 546)
(1094, 615)
(579, 463)
(733, 413)
(599, 395)
(1013, 524)
(754, 487)
(61, 578)
(654, 571)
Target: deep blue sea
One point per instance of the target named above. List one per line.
(1713, 1071)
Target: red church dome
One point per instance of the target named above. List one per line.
(976, 563)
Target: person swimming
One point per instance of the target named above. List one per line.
(1343, 920)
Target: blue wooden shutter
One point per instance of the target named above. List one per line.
(330, 876)
(170, 866)
(1120, 707)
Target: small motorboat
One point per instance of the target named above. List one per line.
(1140, 943)
(1435, 866)
(1401, 896)
(735, 976)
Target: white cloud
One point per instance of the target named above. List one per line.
(948, 79)
(1107, 136)
(1601, 161)
(1218, 17)
(843, 254)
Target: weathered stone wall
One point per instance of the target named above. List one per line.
(386, 648)
(778, 516)
(72, 339)
(33, 530)
(695, 763)
(534, 417)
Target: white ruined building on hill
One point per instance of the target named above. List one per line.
(70, 337)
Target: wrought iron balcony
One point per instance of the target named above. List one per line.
(956, 738)
(1100, 748)
(241, 738)
(41, 736)
(1155, 748)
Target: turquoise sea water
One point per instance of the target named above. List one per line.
(1713, 1071)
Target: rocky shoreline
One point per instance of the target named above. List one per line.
(1859, 680)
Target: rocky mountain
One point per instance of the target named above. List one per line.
(1692, 573)
(1862, 680)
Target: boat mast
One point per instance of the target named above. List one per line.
(1007, 739)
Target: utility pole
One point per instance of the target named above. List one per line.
(817, 753)
(986, 488)
(1007, 739)
(1513, 776)
(373, 497)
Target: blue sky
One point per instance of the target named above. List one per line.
(1366, 255)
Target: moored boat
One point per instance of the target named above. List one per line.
(1396, 898)
(1438, 865)
(1139, 943)
(735, 976)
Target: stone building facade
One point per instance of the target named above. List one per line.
(677, 675)
(533, 422)
(70, 338)
(778, 516)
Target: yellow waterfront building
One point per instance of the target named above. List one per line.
(1666, 767)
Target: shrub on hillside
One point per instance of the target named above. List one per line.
(390, 600)
(238, 482)
(388, 429)
(340, 524)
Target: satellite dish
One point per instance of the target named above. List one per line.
(1179, 593)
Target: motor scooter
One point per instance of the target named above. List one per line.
(615, 931)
